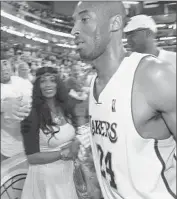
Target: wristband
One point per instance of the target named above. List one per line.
(83, 129)
(61, 156)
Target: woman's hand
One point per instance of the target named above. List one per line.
(82, 154)
(84, 138)
(70, 151)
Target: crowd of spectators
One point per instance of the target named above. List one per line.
(42, 16)
(37, 60)
(75, 74)
(20, 76)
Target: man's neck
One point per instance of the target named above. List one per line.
(152, 50)
(108, 63)
(24, 76)
(7, 82)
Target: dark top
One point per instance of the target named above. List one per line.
(30, 133)
(73, 83)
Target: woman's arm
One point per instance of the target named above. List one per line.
(44, 157)
(30, 133)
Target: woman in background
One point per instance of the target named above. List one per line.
(45, 131)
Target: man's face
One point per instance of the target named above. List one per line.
(23, 70)
(11, 52)
(137, 40)
(91, 31)
(6, 71)
(76, 70)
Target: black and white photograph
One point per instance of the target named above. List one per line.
(88, 99)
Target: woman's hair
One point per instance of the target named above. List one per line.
(40, 116)
(39, 102)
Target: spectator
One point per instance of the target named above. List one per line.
(24, 72)
(44, 132)
(15, 106)
(11, 52)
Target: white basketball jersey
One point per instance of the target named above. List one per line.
(127, 165)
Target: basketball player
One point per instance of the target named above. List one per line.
(132, 108)
(141, 33)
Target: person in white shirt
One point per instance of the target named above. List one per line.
(141, 32)
(15, 106)
(24, 72)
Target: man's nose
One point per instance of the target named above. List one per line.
(129, 39)
(75, 31)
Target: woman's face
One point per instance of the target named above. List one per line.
(48, 86)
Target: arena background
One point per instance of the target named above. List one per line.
(39, 34)
(51, 43)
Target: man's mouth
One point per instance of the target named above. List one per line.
(6, 74)
(79, 44)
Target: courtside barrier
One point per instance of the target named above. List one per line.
(13, 175)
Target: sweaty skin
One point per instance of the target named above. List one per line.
(154, 99)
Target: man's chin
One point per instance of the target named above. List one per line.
(5, 81)
(86, 57)
(83, 56)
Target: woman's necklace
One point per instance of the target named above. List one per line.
(58, 118)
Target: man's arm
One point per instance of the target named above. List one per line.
(12, 107)
(161, 82)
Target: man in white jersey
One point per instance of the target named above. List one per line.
(15, 106)
(132, 108)
(141, 32)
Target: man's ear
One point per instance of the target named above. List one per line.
(116, 23)
(149, 33)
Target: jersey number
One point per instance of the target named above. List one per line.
(108, 166)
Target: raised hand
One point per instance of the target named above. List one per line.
(14, 108)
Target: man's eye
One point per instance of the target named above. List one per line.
(52, 80)
(85, 19)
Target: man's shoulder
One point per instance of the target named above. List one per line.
(152, 68)
(27, 81)
(16, 78)
(152, 73)
(163, 51)
(168, 56)
(155, 78)
(20, 79)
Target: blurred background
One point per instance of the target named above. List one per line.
(38, 32)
